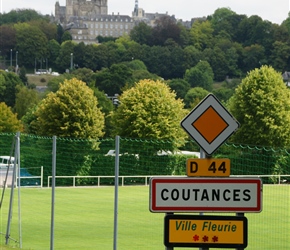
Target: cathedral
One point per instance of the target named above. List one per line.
(80, 8)
(88, 19)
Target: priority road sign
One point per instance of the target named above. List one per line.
(184, 194)
(209, 124)
(205, 231)
(208, 167)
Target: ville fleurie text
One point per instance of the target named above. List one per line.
(201, 231)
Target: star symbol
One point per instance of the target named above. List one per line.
(215, 239)
(205, 238)
(195, 237)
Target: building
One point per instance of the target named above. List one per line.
(88, 19)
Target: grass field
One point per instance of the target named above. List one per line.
(84, 219)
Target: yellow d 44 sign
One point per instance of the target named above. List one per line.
(208, 167)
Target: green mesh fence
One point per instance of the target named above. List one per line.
(92, 158)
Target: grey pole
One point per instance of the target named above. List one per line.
(10, 57)
(53, 192)
(19, 186)
(71, 61)
(202, 156)
(117, 152)
(7, 236)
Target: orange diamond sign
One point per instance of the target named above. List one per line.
(209, 124)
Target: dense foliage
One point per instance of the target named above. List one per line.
(261, 103)
(70, 112)
(150, 110)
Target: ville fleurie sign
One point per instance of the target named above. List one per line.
(205, 231)
(210, 124)
(183, 194)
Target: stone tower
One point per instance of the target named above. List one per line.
(86, 8)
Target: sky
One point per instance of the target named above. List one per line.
(275, 11)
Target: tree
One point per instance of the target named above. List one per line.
(142, 33)
(254, 56)
(53, 48)
(8, 87)
(31, 44)
(180, 86)
(200, 75)
(112, 80)
(8, 39)
(194, 96)
(63, 60)
(150, 110)
(280, 55)
(201, 34)
(25, 99)
(8, 120)
(70, 112)
(261, 104)
(165, 27)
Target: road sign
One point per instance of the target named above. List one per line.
(184, 194)
(205, 231)
(209, 124)
(208, 167)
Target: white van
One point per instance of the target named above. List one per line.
(6, 161)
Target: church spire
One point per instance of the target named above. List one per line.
(136, 8)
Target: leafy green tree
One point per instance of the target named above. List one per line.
(25, 99)
(191, 56)
(54, 83)
(261, 104)
(280, 55)
(48, 28)
(200, 75)
(165, 28)
(85, 75)
(254, 57)
(9, 83)
(201, 34)
(180, 86)
(106, 106)
(63, 60)
(194, 96)
(221, 21)
(150, 110)
(66, 36)
(53, 52)
(22, 75)
(70, 112)
(112, 80)
(8, 120)
(142, 34)
(20, 16)
(31, 44)
(59, 33)
(218, 62)
(8, 40)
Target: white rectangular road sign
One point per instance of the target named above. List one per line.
(184, 194)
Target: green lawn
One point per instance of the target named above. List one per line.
(84, 219)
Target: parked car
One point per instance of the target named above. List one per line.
(6, 161)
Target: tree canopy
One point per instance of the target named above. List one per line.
(72, 111)
(261, 104)
(150, 110)
(8, 120)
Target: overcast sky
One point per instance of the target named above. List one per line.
(275, 11)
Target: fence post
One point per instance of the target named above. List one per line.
(117, 152)
(53, 192)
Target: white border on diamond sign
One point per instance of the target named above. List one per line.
(186, 123)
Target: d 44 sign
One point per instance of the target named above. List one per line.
(208, 167)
